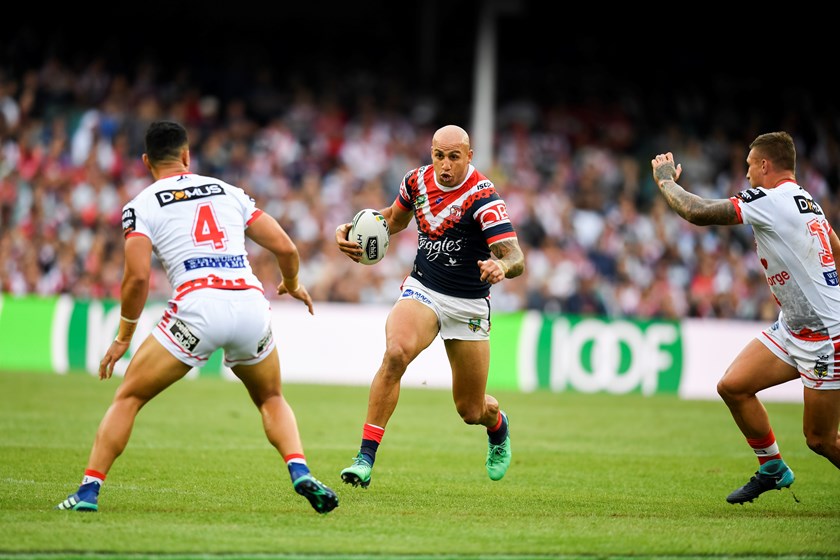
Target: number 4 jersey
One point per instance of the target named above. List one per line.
(196, 225)
(792, 242)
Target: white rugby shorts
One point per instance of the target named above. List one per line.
(458, 318)
(198, 323)
(815, 360)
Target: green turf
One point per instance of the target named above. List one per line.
(593, 476)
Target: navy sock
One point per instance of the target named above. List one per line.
(498, 437)
(89, 492)
(368, 450)
(297, 470)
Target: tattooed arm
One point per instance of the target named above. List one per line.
(697, 210)
(509, 261)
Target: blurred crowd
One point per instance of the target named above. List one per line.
(575, 173)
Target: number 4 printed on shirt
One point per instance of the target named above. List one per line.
(206, 230)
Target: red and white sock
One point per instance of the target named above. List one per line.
(766, 448)
(296, 463)
(93, 476)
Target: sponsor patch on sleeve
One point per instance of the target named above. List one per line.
(749, 195)
(492, 214)
(129, 221)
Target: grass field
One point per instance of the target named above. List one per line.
(593, 476)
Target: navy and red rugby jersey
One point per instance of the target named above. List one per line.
(455, 226)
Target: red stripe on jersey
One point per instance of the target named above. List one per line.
(214, 282)
(403, 206)
(502, 236)
(736, 202)
(806, 334)
(448, 222)
(254, 216)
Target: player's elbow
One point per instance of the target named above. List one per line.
(287, 255)
(694, 219)
(703, 212)
(286, 252)
(135, 284)
(701, 220)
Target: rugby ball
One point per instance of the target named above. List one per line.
(370, 230)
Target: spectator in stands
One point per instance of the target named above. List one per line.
(566, 173)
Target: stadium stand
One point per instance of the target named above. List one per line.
(325, 121)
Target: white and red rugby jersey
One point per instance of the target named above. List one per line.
(197, 227)
(791, 238)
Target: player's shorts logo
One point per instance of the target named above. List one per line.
(474, 324)
(821, 366)
(184, 336)
(409, 293)
(263, 343)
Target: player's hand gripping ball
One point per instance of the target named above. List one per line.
(370, 230)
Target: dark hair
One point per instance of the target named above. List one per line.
(165, 140)
(778, 147)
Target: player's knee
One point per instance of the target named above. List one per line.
(816, 445)
(266, 401)
(470, 413)
(723, 390)
(397, 357)
(730, 392)
(130, 404)
(821, 444)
